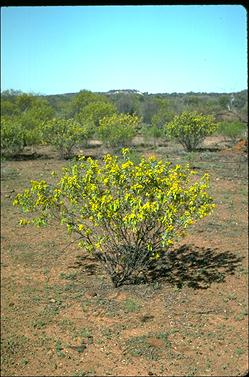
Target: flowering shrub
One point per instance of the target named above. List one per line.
(64, 134)
(125, 214)
(190, 129)
(118, 130)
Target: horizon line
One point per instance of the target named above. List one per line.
(123, 90)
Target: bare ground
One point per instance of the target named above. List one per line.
(61, 315)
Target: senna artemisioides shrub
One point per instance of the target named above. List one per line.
(190, 129)
(65, 134)
(125, 214)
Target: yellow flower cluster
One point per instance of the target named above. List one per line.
(116, 200)
(191, 128)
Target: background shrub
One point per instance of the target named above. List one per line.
(95, 111)
(65, 134)
(153, 133)
(232, 131)
(118, 130)
(190, 129)
(12, 136)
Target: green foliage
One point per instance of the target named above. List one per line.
(8, 108)
(59, 349)
(37, 114)
(146, 105)
(190, 129)
(131, 306)
(24, 101)
(153, 132)
(118, 130)
(95, 111)
(125, 214)
(241, 100)
(162, 117)
(232, 131)
(84, 98)
(145, 346)
(30, 112)
(224, 101)
(197, 103)
(128, 103)
(12, 136)
(65, 134)
(148, 109)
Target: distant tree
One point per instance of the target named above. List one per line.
(10, 93)
(163, 114)
(95, 111)
(36, 113)
(24, 102)
(15, 102)
(192, 101)
(84, 98)
(8, 107)
(201, 104)
(148, 109)
(152, 132)
(12, 136)
(241, 99)
(232, 131)
(161, 118)
(128, 103)
(118, 130)
(224, 102)
(175, 105)
(29, 111)
(61, 104)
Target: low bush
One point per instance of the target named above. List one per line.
(153, 133)
(65, 134)
(12, 136)
(124, 213)
(232, 131)
(118, 130)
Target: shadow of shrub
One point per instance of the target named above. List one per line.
(25, 156)
(196, 267)
(189, 265)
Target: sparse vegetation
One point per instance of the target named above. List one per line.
(232, 131)
(61, 315)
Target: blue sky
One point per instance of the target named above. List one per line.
(153, 49)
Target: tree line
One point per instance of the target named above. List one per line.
(114, 117)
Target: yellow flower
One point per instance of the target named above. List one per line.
(106, 181)
(24, 222)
